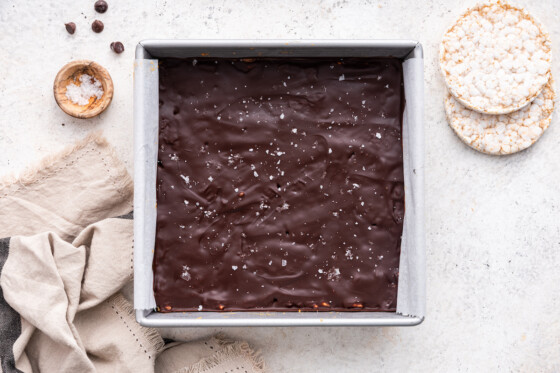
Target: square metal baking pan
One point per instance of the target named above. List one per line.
(411, 296)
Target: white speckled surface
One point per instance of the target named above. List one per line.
(493, 224)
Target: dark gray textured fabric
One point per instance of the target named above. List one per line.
(10, 322)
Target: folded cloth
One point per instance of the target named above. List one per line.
(66, 254)
(66, 191)
(215, 355)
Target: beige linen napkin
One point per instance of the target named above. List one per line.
(69, 254)
(216, 355)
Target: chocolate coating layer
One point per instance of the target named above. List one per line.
(280, 185)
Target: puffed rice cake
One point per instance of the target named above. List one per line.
(505, 133)
(496, 58)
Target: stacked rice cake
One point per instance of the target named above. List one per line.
(496, 62)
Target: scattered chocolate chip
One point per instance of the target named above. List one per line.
(70, 27)
(97, 26)
(101, 6)
(117, 47)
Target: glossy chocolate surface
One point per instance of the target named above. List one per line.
(280, 185)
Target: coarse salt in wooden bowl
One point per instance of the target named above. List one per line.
(87, 101)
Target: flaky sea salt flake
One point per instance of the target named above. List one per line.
(185, 275)
(81, 94)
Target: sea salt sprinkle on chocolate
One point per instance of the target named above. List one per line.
(259, 227)
(81, 94)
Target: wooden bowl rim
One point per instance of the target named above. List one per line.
(100, 73)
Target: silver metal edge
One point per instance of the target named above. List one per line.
(144, 319)
(148, 49)
(253, 48)
(140, 53)
(416, 52)
(275, 43)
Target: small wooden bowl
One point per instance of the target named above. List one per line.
(71, 73)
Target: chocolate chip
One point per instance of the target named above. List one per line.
(97, 26)
(101, 6)
(70, 27)
(117, 47)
